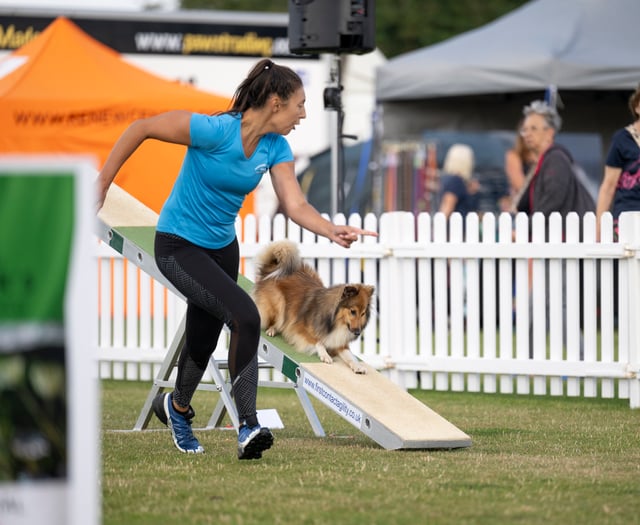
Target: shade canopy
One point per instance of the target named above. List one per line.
(64, 92)
(576, 45)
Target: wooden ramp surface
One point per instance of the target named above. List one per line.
(387, 413)
(372, 403)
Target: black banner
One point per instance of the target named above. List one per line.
(161, 37)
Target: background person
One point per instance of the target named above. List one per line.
(458, 188)
(196, 246)
(519, 163)
(621, 182)
(553, 185)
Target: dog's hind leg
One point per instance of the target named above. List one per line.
(271, 331)
(269, 324)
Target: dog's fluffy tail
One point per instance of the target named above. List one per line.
(278, 259)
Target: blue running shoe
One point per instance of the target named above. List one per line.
(180, 429)
(252, 441)
(158, 409)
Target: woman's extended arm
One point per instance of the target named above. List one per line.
(172, 126)
(297, 208)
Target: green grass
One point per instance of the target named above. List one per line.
(534, 460)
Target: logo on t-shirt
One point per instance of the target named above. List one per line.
(261, 169)
(630, 177)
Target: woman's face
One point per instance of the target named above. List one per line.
(290, 112)
(536, 133)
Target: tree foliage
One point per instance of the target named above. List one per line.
(401, 25)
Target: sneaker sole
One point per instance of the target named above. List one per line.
(261, 442)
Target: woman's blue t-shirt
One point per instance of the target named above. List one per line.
(215, 178)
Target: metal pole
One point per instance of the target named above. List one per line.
(336, 141)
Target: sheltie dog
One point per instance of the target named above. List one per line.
(293, 301)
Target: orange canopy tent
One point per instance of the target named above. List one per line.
(64, 92)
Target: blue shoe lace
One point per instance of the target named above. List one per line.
(181, 429)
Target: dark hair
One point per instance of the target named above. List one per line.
(634, 99)
(264, 80)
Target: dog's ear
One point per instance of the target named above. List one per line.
(349, 291)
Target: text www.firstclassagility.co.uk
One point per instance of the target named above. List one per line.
(333, 400)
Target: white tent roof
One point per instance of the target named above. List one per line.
(572, 44)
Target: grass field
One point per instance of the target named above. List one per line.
(534, 460)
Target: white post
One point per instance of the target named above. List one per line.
(630, 239)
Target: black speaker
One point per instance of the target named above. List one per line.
(331, 26)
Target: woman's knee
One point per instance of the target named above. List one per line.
(248, 320)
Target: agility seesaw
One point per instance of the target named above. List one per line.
(386, 413)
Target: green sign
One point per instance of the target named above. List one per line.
(48, 390)
(36, 226)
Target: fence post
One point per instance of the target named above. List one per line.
(394, 296)
(630, 239)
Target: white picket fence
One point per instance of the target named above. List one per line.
(453, 306)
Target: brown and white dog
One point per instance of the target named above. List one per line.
(293, 301)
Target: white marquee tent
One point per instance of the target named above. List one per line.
(481, 79)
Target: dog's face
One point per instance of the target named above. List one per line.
(354, 307)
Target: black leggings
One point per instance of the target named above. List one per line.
(207, 278)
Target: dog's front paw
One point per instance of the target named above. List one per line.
(326, 358)
(271, 331)
(358, 368)
(322, 353)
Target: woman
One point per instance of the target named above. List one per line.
(458, 188)
(519, 163)
(553, 186)
(196, 246)
(621, 182)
